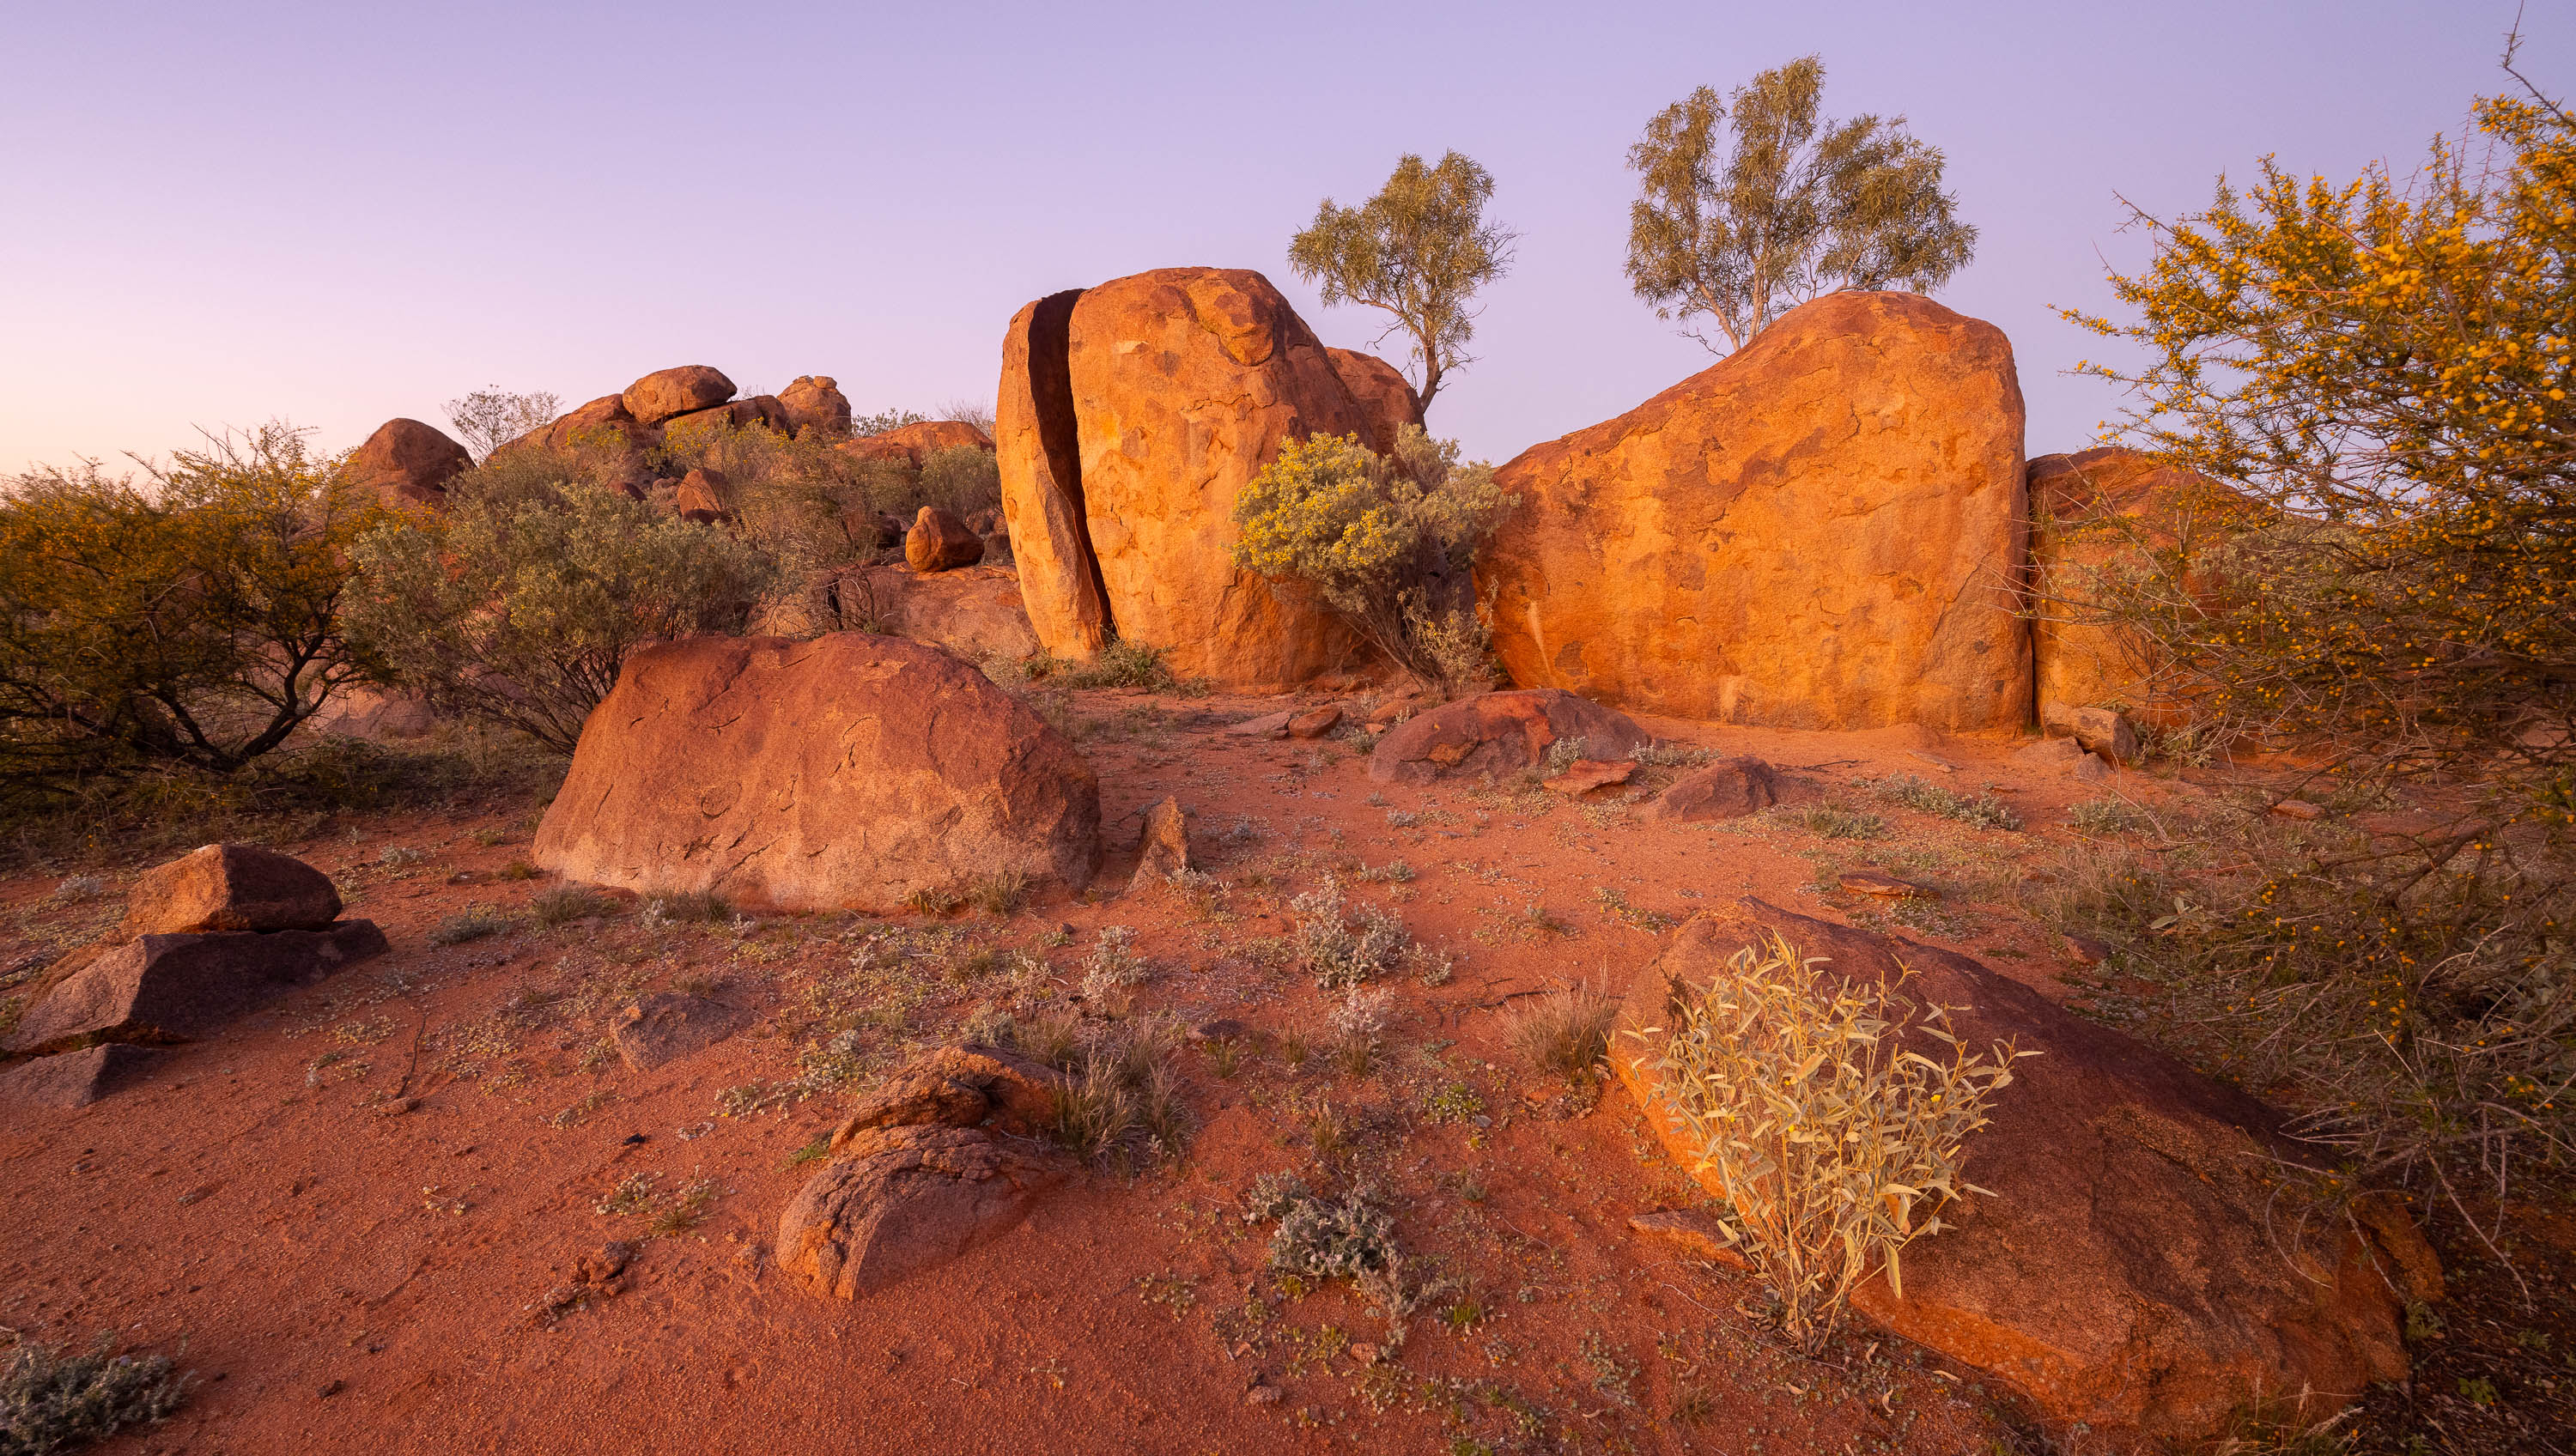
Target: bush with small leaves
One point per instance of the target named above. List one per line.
(1344, 943)
(465, 925)
(52, 1401)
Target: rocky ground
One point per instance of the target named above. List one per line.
(427, 1205)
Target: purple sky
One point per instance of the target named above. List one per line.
(335, 214)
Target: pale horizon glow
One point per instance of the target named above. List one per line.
(336, 215)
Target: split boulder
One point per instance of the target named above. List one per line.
(1040, 464)
(1826, 530)
(845, 772)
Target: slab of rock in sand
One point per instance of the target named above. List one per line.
(75, 1079)
(667, 1027)
(1727, 789)
(163, 988)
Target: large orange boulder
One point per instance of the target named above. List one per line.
(408, 464)
(815, 402)
(666, 392)
(1041, 469)
(2140, 1267)
(1824, 531)
(1186, 381)
(845, 772)
(1386, 398)
(938, 541)
(603, 421)
(2096, 515)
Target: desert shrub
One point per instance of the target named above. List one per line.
(1565, 1032)
(520, 608)
(1985, 810)
(1323, 1239)
(474, 924)
(1118, 664)
(879, 423)
(1389, 542)
(192, 618)
(2104, 817)
(2379, 372)
(960, 479)
(1833, 1143)
(561, 905)
(1344, 943)
(1831, 821)
(999, 893)
(51, 1400)
(1113, 964)
(1122, 1100)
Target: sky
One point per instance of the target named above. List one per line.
(218, 214)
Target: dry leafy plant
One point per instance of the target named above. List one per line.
(1834, 1145)
(51, 1400)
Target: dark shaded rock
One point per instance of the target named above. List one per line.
(1727, 789)
(165, 988)
(72, 1080)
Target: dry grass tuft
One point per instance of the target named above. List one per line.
(1565, 1032)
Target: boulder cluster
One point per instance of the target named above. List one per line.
(206, 939)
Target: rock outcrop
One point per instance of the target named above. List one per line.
(213, 888)
(1499, 733)
(408, 464)
(1163, 848)
(1131, 414)
(846, 772)
(943, 1158)
(939, 541)
(2136, 1268)
(1386, 398)
(73, 1080)
(815, 402)
(911, 444)
(704, 496)
(2096, 512)
(761, 411)
(1041, 469)
(1825, 530)
(666, 393)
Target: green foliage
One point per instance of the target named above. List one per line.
(1421, 250)
(519, 606)
(1801, 207)
(960, 479)
(883, 420)
(53, 1401)
(1389, 542)
(1826, 1134)
(190, 620)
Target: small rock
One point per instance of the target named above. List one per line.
(1268, 725)
(76, 1079)
(1395, 709)
(1588, 774)
(939, 541)
(607, 1263)
(2100, 730)
(331, 1389)
(2298, 809)
(1943, 764)
(1224, 1028)
(1315, 722)
(1885, 886)
(1365, 1353)
(1163, 849)
(1263, 1395)
(2084, 950)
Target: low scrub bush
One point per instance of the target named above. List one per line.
(52, 1400)
(1388, 541)
(561, 905)
(518, 607)
(1834, 1145)
(1343, 943)
(1907, 791)
(1323, 1239)
(465, 925)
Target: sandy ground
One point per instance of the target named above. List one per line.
(346, 1213)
